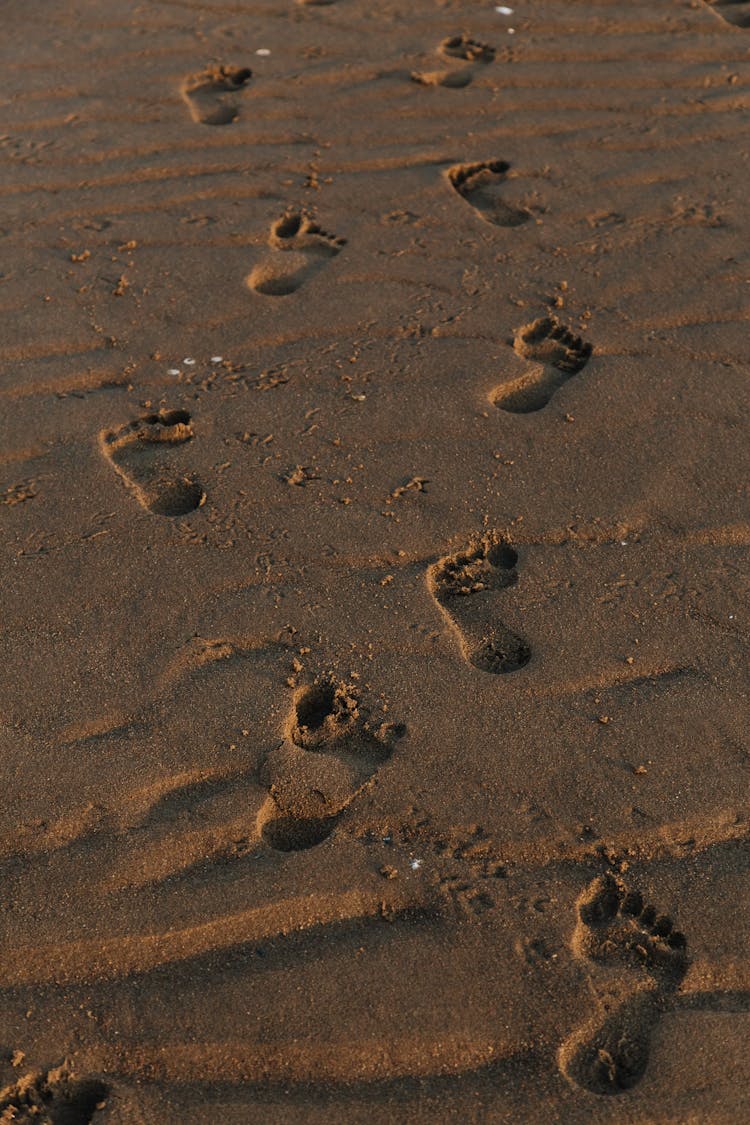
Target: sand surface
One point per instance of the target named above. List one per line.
(374, 518)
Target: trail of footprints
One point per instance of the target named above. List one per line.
(633, 959)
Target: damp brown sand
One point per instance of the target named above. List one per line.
(374, 525)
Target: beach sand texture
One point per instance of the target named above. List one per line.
(374, 518)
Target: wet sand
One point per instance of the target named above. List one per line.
(374, 522)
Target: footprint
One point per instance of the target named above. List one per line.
(307, 248)
(460, 47)
(52, 1097)
(328, 756)
(736, 12)
(209, 94)
(136, 451)
(481, 185)
(464, 586)
(635, 962)
(558, 355)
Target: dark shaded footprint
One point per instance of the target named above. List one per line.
(558, 354)
(635, 962)
(209, 95)
(736, 12)
(136, 452)
(482, 185)
(328, 756)
(54, 1097)
(461, 48)
(307, 248)
(465, 586)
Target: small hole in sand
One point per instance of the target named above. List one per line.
(177, 498)
(502, 555)
(288, 226)
(315, 705)
(290, 834)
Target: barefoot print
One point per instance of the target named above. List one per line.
(465, 586)
(482, 186)
(635, 962)
(557, 353)
(329, 754)
(138, 452)
(209, 95)
(736, 12)
(464, 50)
(51, 1096)
(307, 248)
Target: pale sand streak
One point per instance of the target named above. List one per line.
(100, 959)
(730, 975)
(320, 1064)
(343, 1063)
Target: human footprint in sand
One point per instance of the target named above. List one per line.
(306, 249)
(635, 961)
(330, 753)
(466, 56)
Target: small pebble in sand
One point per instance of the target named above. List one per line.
(503, 10)
(263, 51)
(189, 362)
(216, 358)
(173, 371)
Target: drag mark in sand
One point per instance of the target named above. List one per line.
(136, 452)
(306, 249)
(465, 585)
(209, 95)
(635, 961)
(557, 353)
(482, 186)
(330, 753)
